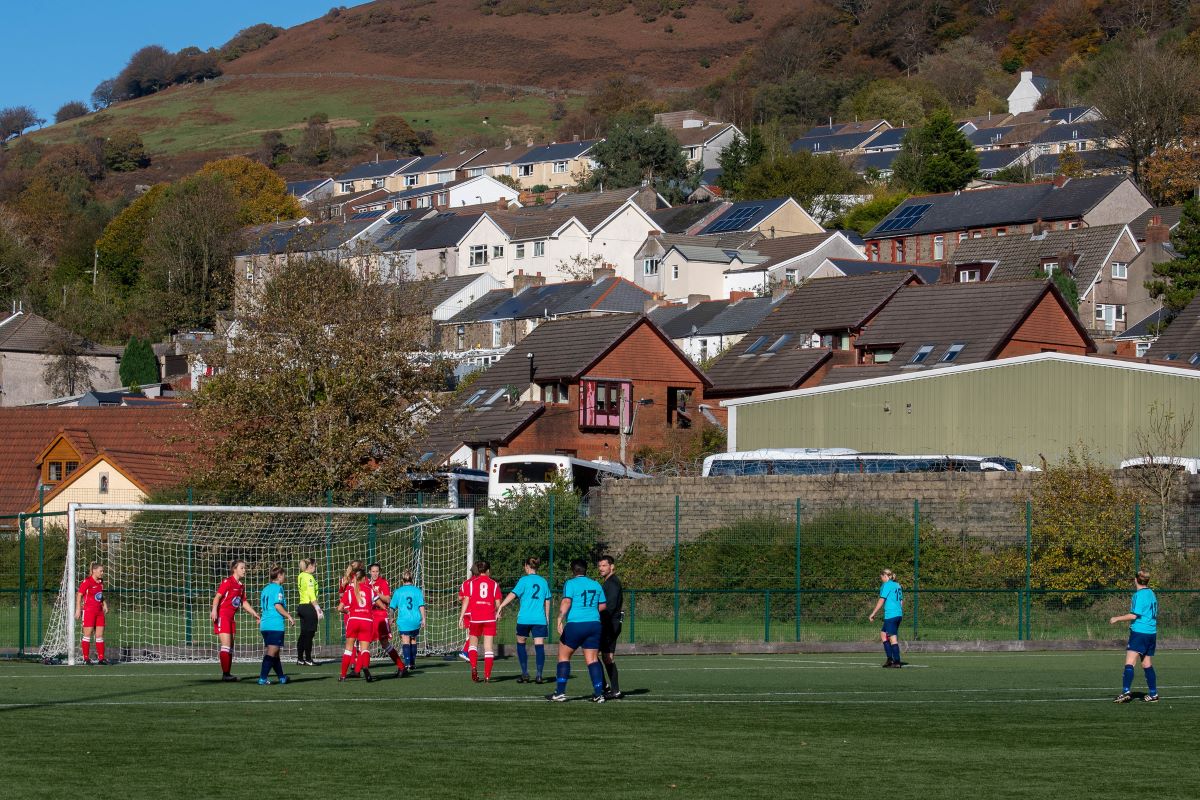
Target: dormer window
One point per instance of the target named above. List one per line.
(1048, 267)
(54, 472)
(410, 181)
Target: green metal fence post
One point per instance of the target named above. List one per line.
(328, 558)
(798, 530)
(1137, 536)
(632, 616)
(1028, 565)
(677, 568)
(916, 568)
(553, 628)
(1020, 615)
(370, 538)
(767, 615)
(187, 624)
(41, 557)
(21, 584)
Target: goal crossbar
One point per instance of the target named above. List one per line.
(431, 514)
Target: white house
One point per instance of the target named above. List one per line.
(480, 190)
(1028, 93)
(790, 261)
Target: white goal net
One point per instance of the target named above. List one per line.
(163, 565)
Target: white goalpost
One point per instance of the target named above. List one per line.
(163, 564)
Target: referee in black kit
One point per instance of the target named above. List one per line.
(610, 623)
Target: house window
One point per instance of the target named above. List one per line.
(939, 248)
(460, 338)
(1195, 359)
(962, 236)
(497, 334)
(779, 343)
(555, 393)
(674, 272)
(1109, 314)
(539, 249)
(377, 183)
(900, 250)
(755, 346)
(1141, 348)
(475, 172)
(410, 181)
(497, 251)
(1002, 231)
(346, 187)
(953, 352)
(560, 167)
(790, 276)
(693, 153)
(922, 354)
(1049, 267)
(249, 272)
(103, 483)
(704, 349)
(882, 356)
(70, 467)
(649, 266)
(874, 251)
(520, 250)
(54, 473)
(1120, 270)
(423, 202)
(525, 170)
(443, 198)
(968, 276)
(479, 255)
(1073, 225)
(976, 234)
(603, 404)
(445, 176)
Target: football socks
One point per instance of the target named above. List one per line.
(596, 673)
(1151, 681)
(523, 658)
(539, 654)
(563, 672)
(1127, 679)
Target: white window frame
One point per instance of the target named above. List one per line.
(1120, 270)
(650, 267)
(476, 172)
(346, 186)
(524, 170)
(478, 255)
(1049, 267)
(424, 201)
(1074, 225)
(445, 176)
(497, 251)
(560, 167)
(497, 335)
(962, 236)
(969, 276)
(377, 183)
(520, 250)
(1141, 348)
(539, 248)
(674, 272)
(922, 354)
(410, 181)
(939, 248)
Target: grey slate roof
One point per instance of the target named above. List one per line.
(1004, 205)
(881, 161)
(613, 295)
(1092, 160)
(680, 321)
(1019, 257)
(740, 316)
(538, 222)
(476, 425)
(562, 151)
(1181, 340)
(835, 143)
(439, 290)
(575, 199)
(892, 137)
(993, 160)
(482, 308)
(1067, 133)
(276, 239)
(981, 316)
(607, 295)
(741, 211)
(435, 233)
(1068, 114)
(376, 169)
(28, 333)
(854, 267)
(301, 188)
(562, 350)
(678, 219)
(1170, 217)
(989, 136)
(1148, 326)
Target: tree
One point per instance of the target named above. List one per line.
(737, 158)
(865, 216)
(16, 119)
(317, 142)
(274, 150)
(248, 40)
(936, 157)
(1160, 443)
(633, 154)
(579, 267)
(1144, 91)
(124, 151)
(901, 102)
(319, 387)
(1176, 282)
(961, 69)
(261, 194)
(188, 253)
(1070, 164)
(139, 366)
(149, 69)
(68, 372)
(1173, 171)
(119, 248)
(104, 94)
(393, 135)
(71, 110)
(802, 176)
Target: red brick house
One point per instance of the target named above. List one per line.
(590, 387)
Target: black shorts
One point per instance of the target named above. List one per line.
(608, 637)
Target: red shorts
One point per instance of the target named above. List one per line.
(93, 618)
(467, 622)
(383, 631)
(483, 628)
(225, 625)
(361, 630)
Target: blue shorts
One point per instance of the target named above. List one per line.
(581, 634)
(536, 631)
(410, 634)
(891, 626)
(1141, 643)
(272, 638)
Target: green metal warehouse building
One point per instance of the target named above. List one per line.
(1027, 407)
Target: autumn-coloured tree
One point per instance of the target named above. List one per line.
(318, 390)
(1070, 164)
(119, 248)
(124, 151)
(393, 135)
(261, 194)
(1173, 171)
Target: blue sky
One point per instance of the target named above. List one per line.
(59, 51)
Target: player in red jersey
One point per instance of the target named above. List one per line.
(383, 631)
(480, 597)
(346, 579)
(358, 601)
(230, 596)
(90, 607)
(465, 620)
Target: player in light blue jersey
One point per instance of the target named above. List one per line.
(271, 625)
(1143, 631)
(409, 604)
(533, 619)
(579, 626)
(891, 600)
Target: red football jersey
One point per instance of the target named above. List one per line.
(359, 599)
(233, 594)
(384, 593)
(93, 594)
(482, 593)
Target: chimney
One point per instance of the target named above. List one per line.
(1039, 228)
(650, 304)
(1157, 232)
(602, 272)
(1060, 181)
(507, 143)
(736, 296)
(780, 290)
(529, 142)
(501, 204)
(1026, 76)
(521, 282)
(575, 137)
(1066, 261)
(695, 299)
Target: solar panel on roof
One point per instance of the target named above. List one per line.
(907, 218)
(368, 214)
(735, 219)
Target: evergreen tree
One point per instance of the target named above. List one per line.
(936, 157)
(1177, 281)
(632, 154)
(139, 366)
(732, 161)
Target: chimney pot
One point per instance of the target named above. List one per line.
(604, 271)
(1156, 232)
(521, 282)
(735, 296)
(695, 299)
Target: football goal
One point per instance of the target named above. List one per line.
(163, 563)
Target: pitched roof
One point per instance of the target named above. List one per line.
(980, 316)
(740, 316)
(319, 237)
(1091, 160)
(24, 332)
(989, 136)
(27, 432)
(375, 169)
(612, 196)
(863, 126)
(353, 198)
(744, 216)
(678, 219)
(835, 143)
(892, 137)
(784, 248)
(1146, 327)
(422, 164)
(453, 161)
(1004, 205)
(1170, 217)
(481, 309)
(1020, 256)
(993, 160)
(439, 290)
(681, 321)
(498, 156)
(1181, 340)
(561, 151)
(777, 353)
(301, 188)
(1067, 114)
(853, 267)
(476, 425)
(419, 191)
(610, 295)
(435, 233)
(614, 295)
(1067, 133)
(539, 222)
(692, 137)
(881, 161)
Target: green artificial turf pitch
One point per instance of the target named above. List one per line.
(967, 725)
